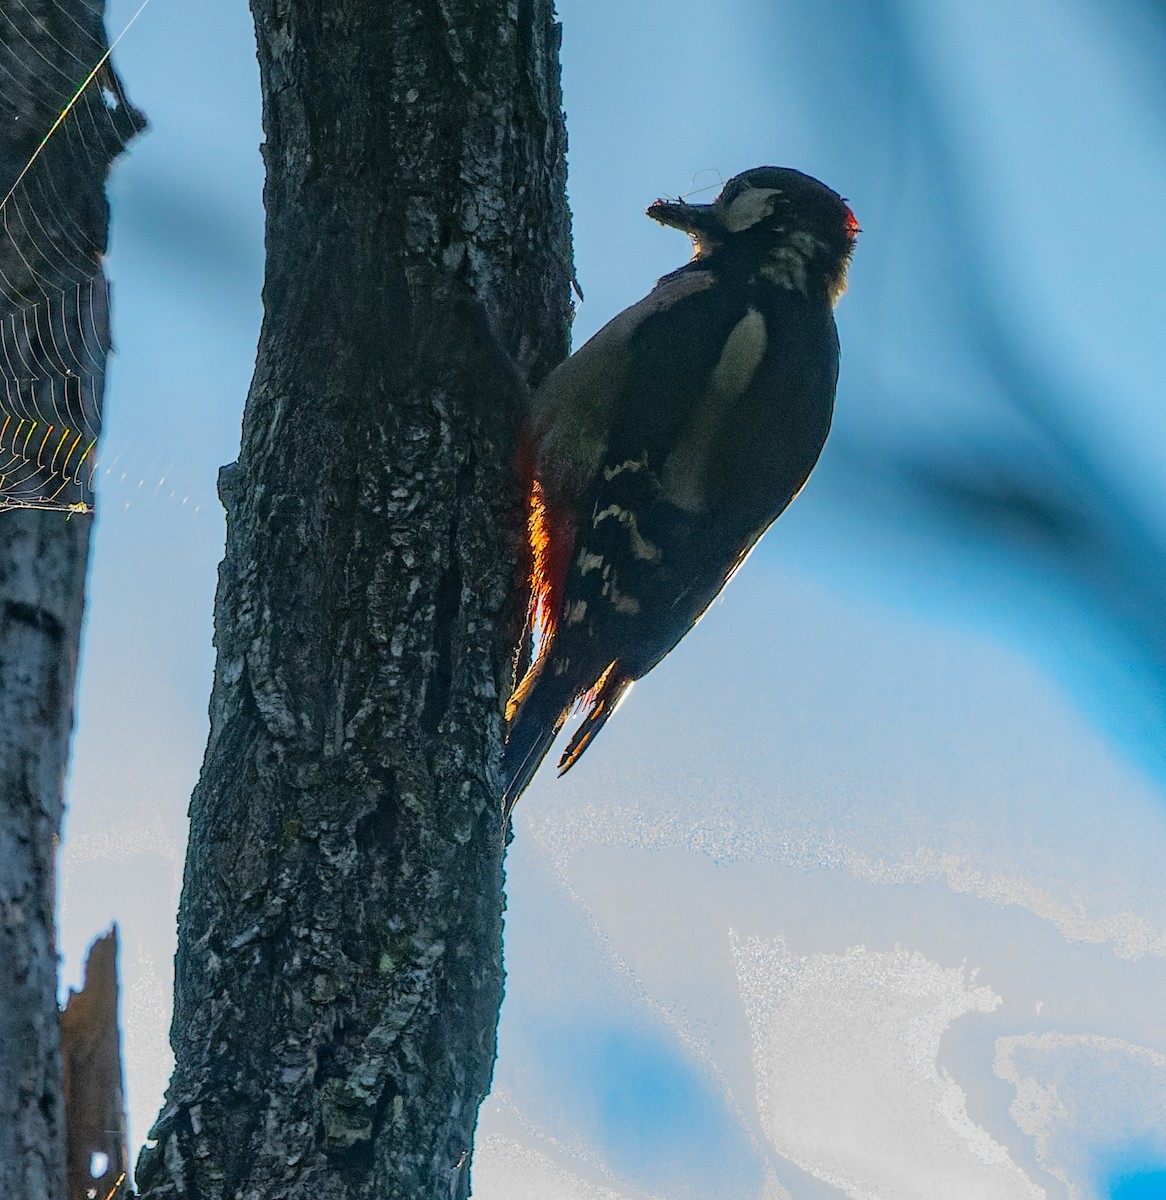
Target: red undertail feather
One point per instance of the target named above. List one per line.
(550, 543)
(539, 704)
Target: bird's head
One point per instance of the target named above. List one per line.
(774, 222)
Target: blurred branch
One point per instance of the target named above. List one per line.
(1047, 494)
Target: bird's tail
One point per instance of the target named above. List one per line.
(539, 717)
(600, 703)
(536, 717)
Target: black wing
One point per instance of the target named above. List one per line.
(723, 405)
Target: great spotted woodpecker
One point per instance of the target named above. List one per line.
(666, 446)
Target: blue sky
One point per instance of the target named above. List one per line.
(912, 758)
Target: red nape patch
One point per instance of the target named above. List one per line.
(550, 543)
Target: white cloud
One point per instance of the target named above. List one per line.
(1087, 1102)
(505, 1170)
(849, 1086)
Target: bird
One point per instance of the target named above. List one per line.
(660, 451)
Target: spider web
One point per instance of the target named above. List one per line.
(54, 310)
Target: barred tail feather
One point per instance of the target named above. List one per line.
(540, 714)
(534, 721)
(601, 703)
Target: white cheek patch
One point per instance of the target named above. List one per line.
(751, 206)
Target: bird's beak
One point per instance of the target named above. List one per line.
(697, 220)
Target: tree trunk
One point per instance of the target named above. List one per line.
(54, 336)
(339, 973)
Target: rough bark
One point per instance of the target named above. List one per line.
(339, 973)
(54, 333)
(42, 568)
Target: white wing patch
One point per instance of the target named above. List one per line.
(686, 467)
(644, 550)
(632, 464)
(742, 355)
